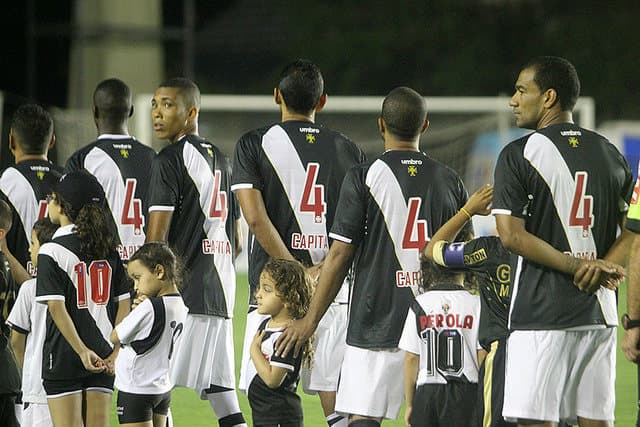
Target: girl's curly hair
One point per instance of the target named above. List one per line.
(294, 288)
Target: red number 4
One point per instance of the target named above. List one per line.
(132, 208)
(415, 231)
(318, 206)
(218, 207)
(582, 207)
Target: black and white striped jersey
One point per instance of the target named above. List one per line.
(91, 290)
(25, 187)
(122, 166)
(442, 328)
(298, 167)
(191, 178)
(148, 335)
(488, 258)
(571, 187)
(389, 208)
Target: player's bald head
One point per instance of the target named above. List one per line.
(112, 100)
(404, 112)
(187, 90)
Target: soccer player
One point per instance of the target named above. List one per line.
(26, 185)
(119, 162)
(82, 281)
(560, 194)
(287, 177)
(191, 208)
(28, 321)
(386, 211)
(440, 338)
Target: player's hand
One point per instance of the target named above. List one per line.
(630, 343)
(478, 203)
(110, 362)
(138, 300)
(91, 361)
(314, 272)
(407, 414)
(294, 336)
(591, 275)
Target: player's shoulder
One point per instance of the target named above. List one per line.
(254, 136)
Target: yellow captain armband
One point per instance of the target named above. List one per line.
(438, 252)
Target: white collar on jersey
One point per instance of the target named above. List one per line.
(114, 136)
(63, 231)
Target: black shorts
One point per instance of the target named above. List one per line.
(137, 408)
(491, 387)
(95, 382)
(444, 405)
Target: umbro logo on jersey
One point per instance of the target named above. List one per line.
(573, 141)
(309, 130)
(412, 170)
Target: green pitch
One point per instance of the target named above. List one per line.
(189, 411)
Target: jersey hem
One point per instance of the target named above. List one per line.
(500, 212)
(235, 187)
(45, 298)
(162, 208)
(340, 238)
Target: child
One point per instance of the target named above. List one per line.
(28, 323)
(147, 337)
(440, 338)
(284, 294)
(84, 284)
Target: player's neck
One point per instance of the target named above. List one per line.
(554, 117)
(112, 129)
(168, 289)
(188, 130)
(24, 157)
(288, 116)
(392, 144)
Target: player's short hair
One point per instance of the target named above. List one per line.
(553, 72)
(404, 111)
(187, 89)
(159, 253)
(301, 85)
(44, 230)
(6, 216)
(112, 99)
(33, 127)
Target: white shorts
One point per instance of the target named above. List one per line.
(253, 322)
(204, 354)
(329, 347)
(36, 415)
(371, 383)
(560, 375)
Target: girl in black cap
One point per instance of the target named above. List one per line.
(84, 284)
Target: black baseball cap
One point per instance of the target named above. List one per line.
(80, 188)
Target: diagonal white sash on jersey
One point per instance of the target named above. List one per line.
(386, 191)
(544, 156)
(13, 184)
(203, 178)
(292, 174)
(107, 172)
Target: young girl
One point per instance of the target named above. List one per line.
(284, 294)
(147, 337)
(83, 282)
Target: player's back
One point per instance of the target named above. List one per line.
(122, 165)
(25, 187)
(570, 186)
(388, 208)
(298, 166)
(191, 178)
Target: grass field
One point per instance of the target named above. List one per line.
(189, 411)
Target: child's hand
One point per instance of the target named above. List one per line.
(257, 340)
(92, 362)
(478, 203)
(138, 300)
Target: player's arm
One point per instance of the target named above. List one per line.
(58, 312)
(272, 376)
(159, 225)
(18, 342)
(631, 338)
(238, 236)
(255, 213)
(334, 270)
(411, 366)
(476, 205)
(19, 273)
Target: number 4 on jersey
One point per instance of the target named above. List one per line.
(415, 231)
(218, 207)
(582, 207)
(132, 207)
(313, 194)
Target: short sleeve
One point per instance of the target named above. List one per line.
(75, 162)
(120, 281)
(164, 185)
(287, 362)
(349, 220)
(20, 316)
(510, 196)
(409, 340)
(137, 324)
(246, 172)
(51, 279)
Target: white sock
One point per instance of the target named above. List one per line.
(225, 405)
(337, 420)
(169, 418)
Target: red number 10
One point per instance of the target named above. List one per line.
(100, 279)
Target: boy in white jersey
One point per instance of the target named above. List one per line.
(28, 323)
(443, 354)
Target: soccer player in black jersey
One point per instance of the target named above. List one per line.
(191, 207)
(287, 177)
(119, 162)
(26, 185)
(560, 195)
(386, 211)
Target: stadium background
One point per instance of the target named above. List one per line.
(54, 53)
